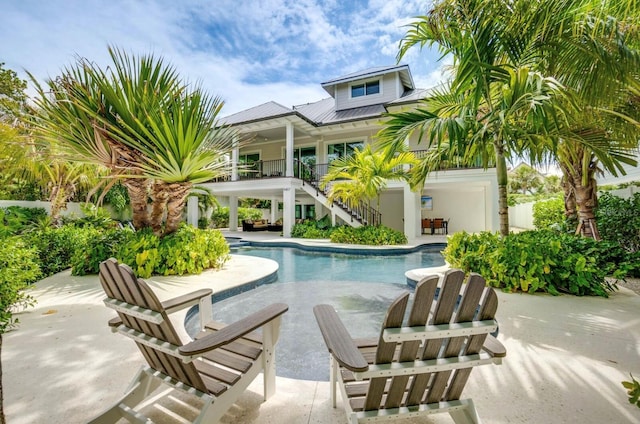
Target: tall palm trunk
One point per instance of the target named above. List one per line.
(138, 189)
(503, 205)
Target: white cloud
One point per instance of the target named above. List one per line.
(248, 52)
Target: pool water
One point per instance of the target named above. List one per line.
(360, 287)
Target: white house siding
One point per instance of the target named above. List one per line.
(392, 209)
(388, 88)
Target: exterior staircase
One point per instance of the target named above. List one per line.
(361, 214)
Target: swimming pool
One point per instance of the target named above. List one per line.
(360, 287)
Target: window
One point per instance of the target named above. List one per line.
(366, 89)
(247, 164)
(340, 150)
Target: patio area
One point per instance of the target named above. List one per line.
(566, 357)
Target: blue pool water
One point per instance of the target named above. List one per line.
(360, 287)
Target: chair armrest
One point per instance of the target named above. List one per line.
(338, 341)
(494, 348)
(186, 300)
(234, 331)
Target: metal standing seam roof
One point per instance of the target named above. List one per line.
(266, 110)
(323, 111)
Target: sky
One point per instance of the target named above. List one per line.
(247, 52)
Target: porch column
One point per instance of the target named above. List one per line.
(274, 210)
(233, 213)
(289, 150)
(289, 210)
(235, 153)
(192, 211)
(412, 212)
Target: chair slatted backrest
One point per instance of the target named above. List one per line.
(476, 303)
(119, 282)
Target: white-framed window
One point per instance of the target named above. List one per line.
(343, 149)
(368, 88)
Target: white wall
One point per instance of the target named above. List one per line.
(521, 216)
(392, 209)
(72, 207)
(463, 207)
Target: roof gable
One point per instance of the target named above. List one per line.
(403, 70)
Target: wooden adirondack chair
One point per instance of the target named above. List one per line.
(216, 367)
(420, 367)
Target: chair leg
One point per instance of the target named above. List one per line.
(467, 415)
(269, 337)
(142, 384)
(333, 377)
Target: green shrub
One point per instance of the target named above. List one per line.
(94, 217)
(17, 219)
(96, 246)
(538, 261)
(311, 229)
(548, 214)
(369, 235)
(55, 246)
(18, 268)
(619, 220)
(220, 216)
(187, 251)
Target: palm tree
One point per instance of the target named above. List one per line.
(152, 130)
(508, 95)
(365, 174)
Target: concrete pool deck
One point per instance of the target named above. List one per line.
(565, 358)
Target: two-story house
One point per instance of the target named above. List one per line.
(289, 150)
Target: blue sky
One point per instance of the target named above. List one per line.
(247, 52)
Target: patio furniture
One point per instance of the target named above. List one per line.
(427, 224)
(216, 367)
(440, 226)
(419, 367)
(255, 225)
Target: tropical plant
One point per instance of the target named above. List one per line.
(523, 80)
(368, 235)
(525, 179)
(18, 269)
(154, 132)
(549, 214)
(542, 260)
(365, 174)
(633, 391)
(619, 220)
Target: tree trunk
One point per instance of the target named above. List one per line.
(586, 201)
(2, 418)
(159, 198)
(138, 189)
(503, 205)
(178, 193)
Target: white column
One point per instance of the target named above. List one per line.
(233, 213)
(235, 153)
(289, 150)
(289, 210)
(274, 210)
(412, 212)
(192, 211)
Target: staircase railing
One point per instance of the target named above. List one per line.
(360, 212)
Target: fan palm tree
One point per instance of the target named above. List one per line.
(363, 175)
(513, 92)
(140, 120)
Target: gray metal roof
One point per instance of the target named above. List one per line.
(256, 113)
(411, 96)
(324, 113)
